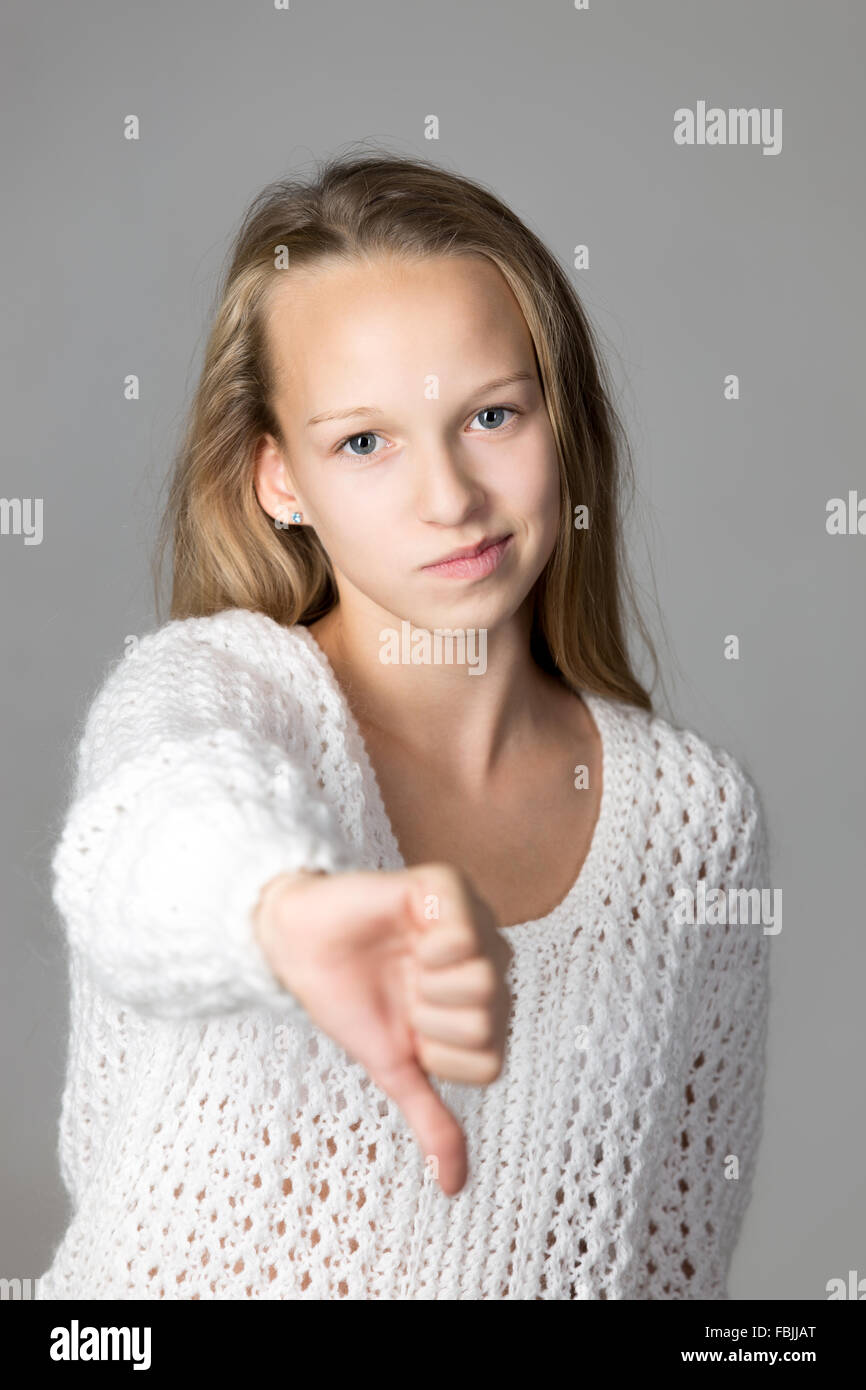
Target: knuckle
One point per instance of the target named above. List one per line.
(479, 1028)
(488, 1067)
(485, 980)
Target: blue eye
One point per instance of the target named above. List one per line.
(368, 436)
(496, 410)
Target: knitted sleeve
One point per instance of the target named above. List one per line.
(710, 1155)
(185, 805)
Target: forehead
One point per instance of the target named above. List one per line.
(346, 319)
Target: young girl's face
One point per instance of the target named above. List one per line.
(430, 455)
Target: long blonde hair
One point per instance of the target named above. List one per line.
(227, 552)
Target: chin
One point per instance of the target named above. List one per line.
(468, 613)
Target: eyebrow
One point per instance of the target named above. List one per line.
(499, 381)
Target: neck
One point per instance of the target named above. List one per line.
(466, 720)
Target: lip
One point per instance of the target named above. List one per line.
(472, 561)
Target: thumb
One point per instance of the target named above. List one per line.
(437, 1131)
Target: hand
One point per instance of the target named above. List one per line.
(406, 971)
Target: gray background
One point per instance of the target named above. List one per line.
(704, 261)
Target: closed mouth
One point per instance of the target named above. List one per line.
(469, 552)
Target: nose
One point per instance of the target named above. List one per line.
(446, 492)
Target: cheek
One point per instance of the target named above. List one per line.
(357, 530)
(341, 508)
(533, 484)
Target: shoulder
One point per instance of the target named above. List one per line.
(236, 634)
(712, 780)
(722, 802)
(706, 800)
(233, 670)
(206, 654)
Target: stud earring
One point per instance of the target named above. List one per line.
(297, 517)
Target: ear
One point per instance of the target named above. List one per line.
(273, 483)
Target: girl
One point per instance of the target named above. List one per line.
(373, 864)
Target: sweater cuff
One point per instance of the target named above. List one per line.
(160, 868)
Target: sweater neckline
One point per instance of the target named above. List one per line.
(593, 882)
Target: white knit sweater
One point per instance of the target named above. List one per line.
(216, 1144)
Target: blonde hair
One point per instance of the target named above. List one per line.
(227, 551)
